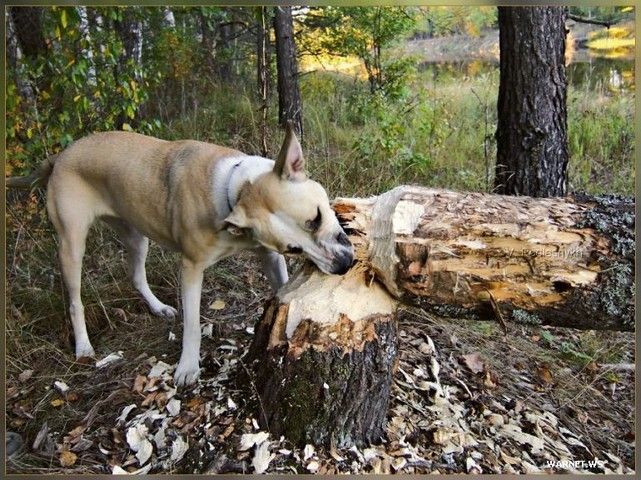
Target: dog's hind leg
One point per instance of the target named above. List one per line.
(72, 218)
(274, 266)
(137, 246)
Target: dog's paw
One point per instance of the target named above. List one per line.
(84, 350)
(186, 373)
(163, 310)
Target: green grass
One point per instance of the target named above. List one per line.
(440, 135)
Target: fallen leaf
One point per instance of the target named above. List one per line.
(490, 380)
(308, 452)
(313, 466)
(44, 430)
(67, 458)
(149, 399)
(217, 305)
(208, 330)
(248, 440)
(178, 449)
(76, 432)
(137, 441)
(139, 383)
(515, 433)
(111, 358)
(398, 463)
(125, 411)
(543, 373)
(592, 367)
(262, 457)
(173, 407)
(121, 471)
(473, 362)
(158, 369)
(25, 375)
(57, 402)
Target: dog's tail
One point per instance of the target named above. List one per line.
(36, 178)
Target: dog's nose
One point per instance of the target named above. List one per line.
(342, 264)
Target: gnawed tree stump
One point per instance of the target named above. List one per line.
(559, 261)
(323, 354)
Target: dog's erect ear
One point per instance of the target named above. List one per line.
(236, 221)
(290, 164)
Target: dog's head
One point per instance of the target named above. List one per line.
(287, 212)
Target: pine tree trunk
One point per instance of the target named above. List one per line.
(567, 262)
(532, 150)
(289, 100)
(323, 356)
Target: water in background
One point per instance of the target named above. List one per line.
(602, 74)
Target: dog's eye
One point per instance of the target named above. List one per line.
(313, 225)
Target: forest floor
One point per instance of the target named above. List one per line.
(536, 399)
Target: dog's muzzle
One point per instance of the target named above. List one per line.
(344, 258)
(342, 264)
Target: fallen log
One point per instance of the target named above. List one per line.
(566, 262)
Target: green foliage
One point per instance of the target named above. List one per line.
(601, 142)
(429, 126)
(439, 21)
(365, 32)
(75, 93)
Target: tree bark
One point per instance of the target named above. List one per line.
(28, 25)
(564, 262)
(532, 150)
(323, 357)
(262, 75)
(130, 32)
(14, 57)
(289, 99)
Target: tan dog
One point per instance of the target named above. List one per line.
(203, 200)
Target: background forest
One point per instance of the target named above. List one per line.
(388, 96)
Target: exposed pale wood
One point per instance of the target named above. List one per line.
(558, 261)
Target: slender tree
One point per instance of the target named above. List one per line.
(532, 149)
(262, 72)
(289, 100)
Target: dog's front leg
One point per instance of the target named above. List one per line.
(274, 267)
(188, 368)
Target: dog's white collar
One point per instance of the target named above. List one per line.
(231, 202)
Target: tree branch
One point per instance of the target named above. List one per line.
(593, 22)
